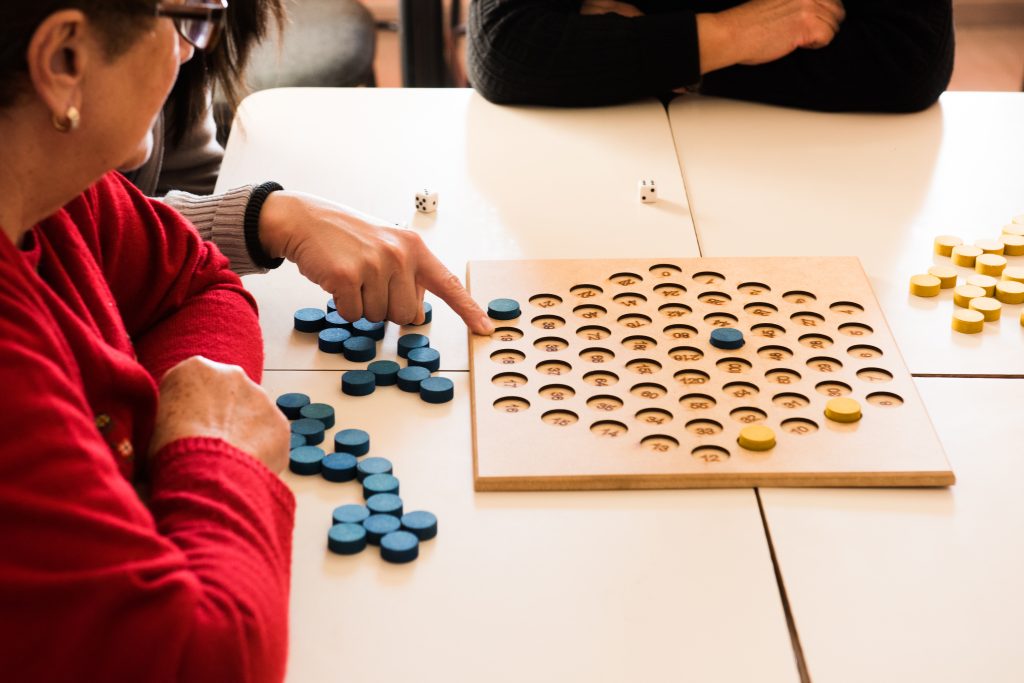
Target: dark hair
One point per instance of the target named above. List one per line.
(223, 67)
(119, 22)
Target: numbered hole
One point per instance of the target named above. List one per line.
(545, 300)
(761, 309)
(508, 357)
(686, 354)
(674, 311)
(630, 299)
(782, 376)
(856, 329)
(590, 312)
(774, 353)
(733, 366)
(551, 344)
(885, 399)
(506, 334)
(799, 297)
(824, 364)
(790, 401)
(638, 343)
(741, 390)
(714, 298)
(608, 429)
(648, 391)
(768, 330)
(680, 332)
(511, 404)
(556, 392)
(816, 341)
(710, 454)
(748, 416)
(600, 378)
(697, 402)
(708, 277)
(626, 279)
(704, 427)
(554, 368)
(864, 351)
(874, 375)
(605, 404)
(560, 418)
(597, 355)
(721, 320)
(586, 291)
(511, 380)
(634, 321)
(846, 308)
(593, 333)
(808, 319)
(670, 290)
(799, 426)
(754, 288)
(663, 270)
(643, 366)
(833, 389)
(548, 322)
(659, 443)
(691, 377)
(654, 416)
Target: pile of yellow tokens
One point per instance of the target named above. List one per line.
(980, 297)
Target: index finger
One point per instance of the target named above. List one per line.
(442, 282)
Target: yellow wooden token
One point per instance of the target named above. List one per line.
(756, 438)
(1014, 274)
(1022, 318)
(990, 246)
(944, 244)
(1014, 228)
(1013, 245)
(1010, 292)
(925, 285)
(986, 282)
(964, 255)
(842, 410)
(968, 322)
(963, 294)
(946, 274)
(988, 307)
(1019, 218)
(990, 264)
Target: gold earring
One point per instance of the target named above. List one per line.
(70, 121)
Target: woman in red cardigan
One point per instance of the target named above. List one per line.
(107, 302)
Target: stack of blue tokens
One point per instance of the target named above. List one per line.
(408, 342)
(384, 503)
(296, 441)
(334, 319)
(354, 441)
(313, 430)
(378, 526)
(409, 378)
(726, 338)
(318, 411)
(332, 339)
(291, 404)
(365, 328)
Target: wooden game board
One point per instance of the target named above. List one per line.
(608, 379)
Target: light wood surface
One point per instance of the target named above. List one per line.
(581, 586)
(513, 182)
(768, 181)
(891, 585)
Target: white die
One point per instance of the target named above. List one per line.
(426, 201)
(648, 191)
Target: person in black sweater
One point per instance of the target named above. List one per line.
(827, 55)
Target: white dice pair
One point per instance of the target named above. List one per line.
(426, 201)
(648, 191)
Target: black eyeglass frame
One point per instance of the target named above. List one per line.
(213, 13)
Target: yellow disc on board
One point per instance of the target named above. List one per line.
(990, 264)
(925, 285)
(1014, 274)
(965, 255)
(756, 438)
(968, 322)
(1013, 245)
(986, 282)
(944, 244)
(963, 294)
(990, 246)
(842, 409)
(1010, 292)
(946, 274)
(988, 307)
(1014, 227)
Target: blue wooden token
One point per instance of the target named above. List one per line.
(332, 339)
(425, 357)
(358, 383)
(726, 338)
(384, 503)
(339, 467)
(371, 466)
(291, 404)
(350, 514)
(409, 378)
(296, 441)
(428, 314)
(305, 460)
(379, 483)
(313, 430)
(310, 319)
(503, 309)
(369, 329)
(359, 349)
(421, 523)
(437, 390)
(319, 411)
(408, 342)
(346, 539)
(331, 308)
(385, 372)
(378, 526)
(399, 547)
(354, 441)
(334, 319)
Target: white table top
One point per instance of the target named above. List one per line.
(915, 585)
(769, 181)
(513, 182)
(582, 586)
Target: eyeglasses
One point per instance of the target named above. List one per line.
(200, 23)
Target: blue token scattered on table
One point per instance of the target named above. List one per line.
(726, 338)
(369, 329)
(385, 372)
(437, 390)
(334, 319)
(313, 430)
(291, 404)
(378, 526)
(339, 467)
(305, 460)
(359, 349)
(358, 383)
(399, 547)
(428, 314)
(354, 441)
(408, 342)
(350, 514)
(425, 357)
(332, 339)
(319, 411)
(310, 319)
(421, 523)
(409, 378)
(331, 308)
(385, 503)
(379, 483)
(371, 466)
(503, 309)
(346, 539)
(296, 441)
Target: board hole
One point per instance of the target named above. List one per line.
(748, 415)
(768, 330)
(816, 341)
(824, 364)
(885, 399)
(609, 429)
(554, 368)
(691, 377)
(710, 454)
(630, 299)
(605, 404)
(734, 366)
(704, 427)
(509, 379)
(686, 354)
(556, 392)
(790, 400)
(754, 288)
(674, 310)
(846, 308)
(659, 443)
(625, 279)
(548, 322)
(680, 332)
(648, 391)
(634, 320)
(511, 404)
(643, 366)
(665, 270)
(775, 353)
(600, 378)
(551, 344)
(800, 426)
(670, 290)
(507, 334)
(638, 343)
(741, 389)
(761, 309)
(782, 376)
(560, 418)
(709, 277)
(864, 351)
(697, 402)
(714, 298)
(590, 312)
(798, 296)
(807, 319)
(856, 329)
(874, 375)
(508, 356)
(586, 291)
(654, 416)
(833, 389)
(593, 333)
(721, 319)
(597, 355)
(545, 300)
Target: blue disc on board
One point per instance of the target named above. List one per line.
(296, 441)
(425, 357)
(421, 523)
(385, 372)
(339, 467)
(334, 319)
(408, 342)
(350, 514)
(379, 483)
(332, 339)
(313, 430)
(369, 329)
(346, 539)
(385, 503)
(428, 314)
(503, 309)
(309, 319)
(291, 404)
(437, 390)
(358, 383)
(359, 349)
(409, 378)
(726, 338)
(354, 441)
(371, 466)
(319, 411)
(305, 460)
(399, 547)
(378, 526)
